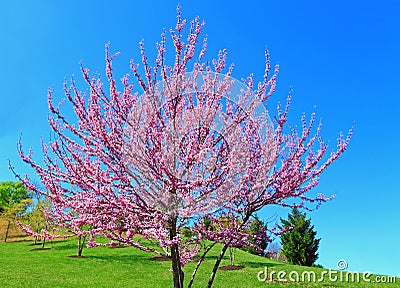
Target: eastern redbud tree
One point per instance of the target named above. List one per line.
(194, 146)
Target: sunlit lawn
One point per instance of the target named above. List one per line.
(129, 267)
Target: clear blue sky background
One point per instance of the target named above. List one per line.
(342, 56)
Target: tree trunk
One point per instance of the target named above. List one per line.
(232, 252)
(198, 264)
(216, 265)
(8, 227)
(176, 262)
(79, 246)
(81, 242)
(221, 255)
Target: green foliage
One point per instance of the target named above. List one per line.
(14, 201)
(36, 218)
(16, 210)
(13, 212)
(299, 245)
(11, 193)
(258, 229)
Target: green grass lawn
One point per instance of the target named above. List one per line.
(129, 267)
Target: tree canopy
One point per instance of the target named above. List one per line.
(12, 193)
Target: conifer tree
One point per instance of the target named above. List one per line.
(299, 244)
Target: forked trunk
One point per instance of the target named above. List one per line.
(221, 255)
(176, 262)
(81, 242)
(199, 263)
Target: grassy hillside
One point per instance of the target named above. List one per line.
(128, 267)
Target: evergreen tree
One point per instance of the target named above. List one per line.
(299, 244)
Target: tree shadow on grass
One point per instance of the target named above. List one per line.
(35, 244)
(69, 246)
(231, 267)
(120, 258)
(76, 256)
(22, 240)
(253, 264)
(212, 257)
(40, 249)
(53, 242)
(160, 258)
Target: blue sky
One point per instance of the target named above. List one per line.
(341, 56)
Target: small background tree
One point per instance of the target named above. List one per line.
(37, 218)
(299, 245)
(48, 220)
(11, 192)
(14, 201)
